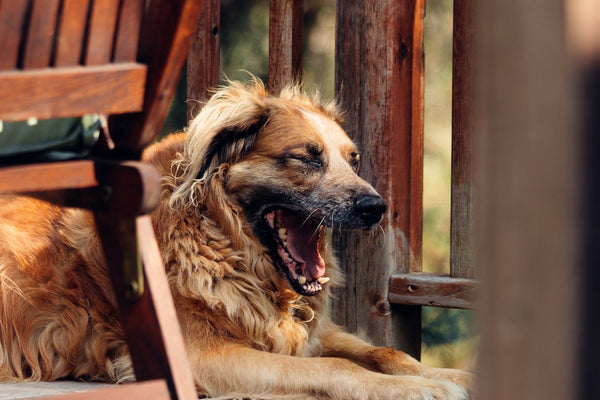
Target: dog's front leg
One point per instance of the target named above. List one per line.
(227, 370)
(337, 343)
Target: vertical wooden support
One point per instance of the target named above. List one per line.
(528, 232)
(463, 126)
(583, 27)
(160, 354)
(285, 43)
(379, 80)
(204, 59)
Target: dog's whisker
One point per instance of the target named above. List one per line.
(309, 216)
(317, 228)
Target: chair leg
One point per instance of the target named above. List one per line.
(149, 319)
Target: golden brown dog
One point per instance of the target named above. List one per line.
(247, 192)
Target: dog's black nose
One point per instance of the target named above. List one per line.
(370, 208)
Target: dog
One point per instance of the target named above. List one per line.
(248, 191)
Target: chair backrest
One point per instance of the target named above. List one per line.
(63, 58)
(69, 58)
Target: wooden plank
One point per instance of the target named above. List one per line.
(583, 28)
(72, 91)
(203, 61)
(128, 30)
(12, 17)
(463, 126)
(150, 323)
(529, 221)
(148, 390)
(40, 34)
(379, 81)
(164, 43)
(433, 290)
(101, 32)
(285, 43)
(48, 176)
(589, 347)
(71, 33)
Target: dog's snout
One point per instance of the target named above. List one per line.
(370, 208)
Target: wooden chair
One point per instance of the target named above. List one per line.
(121, 59)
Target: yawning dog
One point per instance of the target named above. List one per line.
(248, 192)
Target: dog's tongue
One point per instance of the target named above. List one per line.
(303, 246)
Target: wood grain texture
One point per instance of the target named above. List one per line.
(48, 176)
(71, 33)
(71, 91)
(12, 18)
(150, 323)
(101, 32)
(40, 34)
(463, 136)
(167, 31)
(285, 43)
(379, 80)
(203, 61)
(419, 289)
(128, 30)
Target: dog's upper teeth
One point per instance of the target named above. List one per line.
(282, 232)
(302, 279)
(323, 279)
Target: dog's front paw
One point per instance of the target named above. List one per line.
(463, 379)
(427, 389)
(417, 388)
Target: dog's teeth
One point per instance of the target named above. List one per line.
(323, 279)
(282, 232)
(302, 279)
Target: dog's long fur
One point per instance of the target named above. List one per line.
(248, 331)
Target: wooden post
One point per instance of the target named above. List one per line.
(379, 81)
(463, 126)
(204, 59)
(285, 43)
(529, 236)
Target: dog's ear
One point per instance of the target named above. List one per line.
(233, 142)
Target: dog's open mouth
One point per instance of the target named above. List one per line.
(296, 242)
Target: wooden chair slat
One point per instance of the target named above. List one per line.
(71, 91)
(40, 37)
(166, 53)
(71, 33)
(12, 15)
(103, 22)
(48, 176)
(128, 30)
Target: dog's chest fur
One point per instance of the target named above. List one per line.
(226, 283)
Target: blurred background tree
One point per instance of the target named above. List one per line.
(449, 339)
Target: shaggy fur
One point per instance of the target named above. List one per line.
(252, 299)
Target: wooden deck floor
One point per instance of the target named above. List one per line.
(24, 390)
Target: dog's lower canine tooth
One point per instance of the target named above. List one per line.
(323, 279)
(302, 279)
(282, 232)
